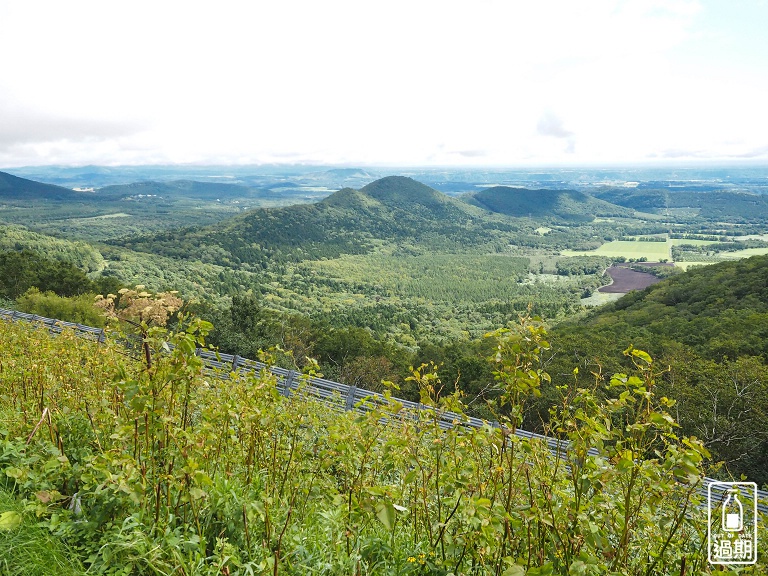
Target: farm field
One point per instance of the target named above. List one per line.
(723, 256)
(746, 253)
(626, 279)
(691, 242)
(653, 251)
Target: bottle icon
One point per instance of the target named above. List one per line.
(733, 513)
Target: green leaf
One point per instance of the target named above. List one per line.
(544, 570)
(514, 570)
(14, 473)
(196, 493)
(642, 355)
(9, 520)
(385, 512)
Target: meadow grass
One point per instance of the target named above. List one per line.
(30, 549)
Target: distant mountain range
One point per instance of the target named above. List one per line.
(185, 188)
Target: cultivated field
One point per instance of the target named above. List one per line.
(626, 279)
(653, 251)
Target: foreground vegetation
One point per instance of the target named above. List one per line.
(162, 468)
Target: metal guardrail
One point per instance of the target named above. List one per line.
(338, 395)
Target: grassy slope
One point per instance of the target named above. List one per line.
(332, 481)
(30, 550)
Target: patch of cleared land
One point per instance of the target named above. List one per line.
(103, 217)
(746, 253)
(653, 251)
(600, 298)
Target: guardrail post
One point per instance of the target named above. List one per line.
(235, 362)
(102, 336)
(287, 383)
(350, 404)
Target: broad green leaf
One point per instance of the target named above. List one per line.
(196, 493)
(514, 570)
(385, 512)
(9, 520)
(642, 355)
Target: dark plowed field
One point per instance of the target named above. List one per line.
(625, 279)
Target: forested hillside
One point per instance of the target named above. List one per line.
(347, 222)
(709, 205)
(568, 205)
(709, 326)
(23, 189)
(374, 280)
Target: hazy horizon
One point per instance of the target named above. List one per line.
(399, 84)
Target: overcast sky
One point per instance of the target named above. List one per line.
(413, 82)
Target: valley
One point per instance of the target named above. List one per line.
(582, 313)
(392, 270)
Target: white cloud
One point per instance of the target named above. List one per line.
(457, 81)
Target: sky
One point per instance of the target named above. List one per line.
(395, 82)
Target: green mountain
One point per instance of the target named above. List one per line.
(718, 311)
(392, 209)
(710, 205)
(569, 205)
(15, 188)
(402, 193)
(563, 204)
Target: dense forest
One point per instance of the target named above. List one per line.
(706, 325)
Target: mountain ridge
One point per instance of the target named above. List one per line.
(349, 221)
(16, 188)
(563, 204)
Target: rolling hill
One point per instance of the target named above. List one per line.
(392, 209)
(711, 205)
(21, 189)
(569, 205)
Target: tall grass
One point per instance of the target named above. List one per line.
(30, 549)
(168, 469)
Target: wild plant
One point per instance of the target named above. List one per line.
(164, 467)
